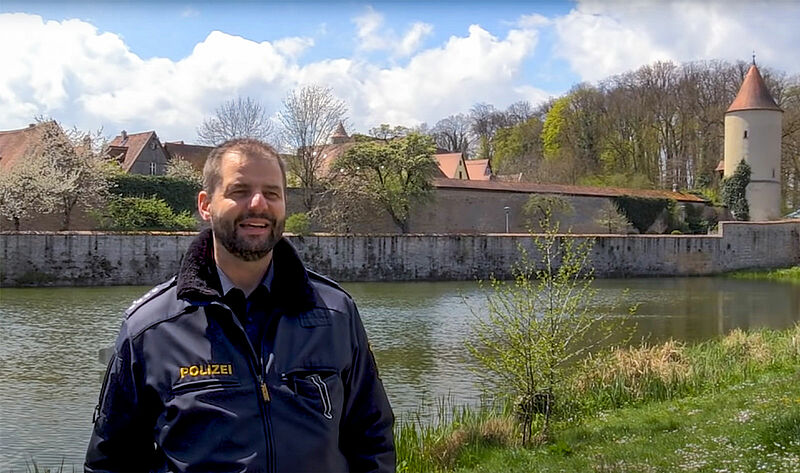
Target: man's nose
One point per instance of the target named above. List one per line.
(257, 200)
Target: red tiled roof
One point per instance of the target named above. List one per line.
(195, 154)
(536, 188)
(753, 94)
(15, 144)
(478, 169)
(135, 142)
(330, 152)
(448, 163)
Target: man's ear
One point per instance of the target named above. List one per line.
(204, 205)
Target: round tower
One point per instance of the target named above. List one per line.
(340, 135)
(753, 134)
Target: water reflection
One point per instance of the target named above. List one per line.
(49, 341)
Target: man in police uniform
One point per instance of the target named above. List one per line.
(246, 360)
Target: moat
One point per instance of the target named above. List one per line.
(51, 374)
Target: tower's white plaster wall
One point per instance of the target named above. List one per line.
(761, 149)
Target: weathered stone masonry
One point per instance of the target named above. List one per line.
(96, 259)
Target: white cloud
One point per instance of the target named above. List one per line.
(71, 71)
(601, 38)
(374, 36)
(294, 46)
(534, 20)
(189, 12)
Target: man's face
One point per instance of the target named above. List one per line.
(247, 209)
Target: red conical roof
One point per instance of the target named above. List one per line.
(340, 131)
(753, 94)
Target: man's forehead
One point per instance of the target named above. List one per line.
(234, 164)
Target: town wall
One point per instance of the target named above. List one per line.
(92, 258)
(451, 210)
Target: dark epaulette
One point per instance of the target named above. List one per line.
(330, 282)
(151, 294)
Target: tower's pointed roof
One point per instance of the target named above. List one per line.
(753, 94)
(340, 131)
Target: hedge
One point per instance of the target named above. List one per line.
(179, 194)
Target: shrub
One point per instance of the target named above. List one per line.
(298, 223)
(137, 213)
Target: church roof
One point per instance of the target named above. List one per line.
(753, 94)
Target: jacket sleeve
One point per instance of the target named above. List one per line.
(367, 437)
(121, 440)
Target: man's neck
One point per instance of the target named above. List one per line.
(246, 275)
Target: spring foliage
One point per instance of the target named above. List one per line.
(538, 325)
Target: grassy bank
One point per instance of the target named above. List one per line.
(731, 404)
(791, 275)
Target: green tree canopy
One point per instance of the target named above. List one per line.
(396, 175)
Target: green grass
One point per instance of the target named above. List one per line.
(791, 275)
(731, 404)
(748, 427)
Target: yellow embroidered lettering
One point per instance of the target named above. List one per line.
(204, 372)
(194, 370)
(184, 371)
(214, 369)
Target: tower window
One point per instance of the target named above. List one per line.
(153, 169)
(745, 134)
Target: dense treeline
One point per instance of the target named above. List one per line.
(660, 126)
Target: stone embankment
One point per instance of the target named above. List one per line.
(96, 259)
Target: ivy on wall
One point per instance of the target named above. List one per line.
(642, 212)
(179, 194)
(734, 194)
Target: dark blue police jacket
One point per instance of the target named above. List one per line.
(186, 391)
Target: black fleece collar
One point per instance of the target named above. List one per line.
(198, 280)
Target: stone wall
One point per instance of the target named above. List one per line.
(452, 210)
(90, 258)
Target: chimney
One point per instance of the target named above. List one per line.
(31, 125)
(124, 135)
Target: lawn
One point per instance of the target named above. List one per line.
(748, 427)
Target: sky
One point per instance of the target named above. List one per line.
(167, 65)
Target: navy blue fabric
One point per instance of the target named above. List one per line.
(183, 391)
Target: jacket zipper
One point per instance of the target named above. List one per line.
(257, 367)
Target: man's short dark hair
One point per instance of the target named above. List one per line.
(248, 146)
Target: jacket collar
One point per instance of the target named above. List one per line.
(198, 280)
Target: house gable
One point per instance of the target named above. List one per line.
(140, 153)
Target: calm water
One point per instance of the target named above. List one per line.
(49, 338)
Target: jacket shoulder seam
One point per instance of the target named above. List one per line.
(149, 296)
(327, 281)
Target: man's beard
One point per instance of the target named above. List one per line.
(227, 233)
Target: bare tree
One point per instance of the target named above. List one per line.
(309, 117)
(453, 133)
(519, 112)
(239, 118)
(386, 133)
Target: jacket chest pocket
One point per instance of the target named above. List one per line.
(321, 389)
(203, 384)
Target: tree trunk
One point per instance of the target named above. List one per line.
(66, 219)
